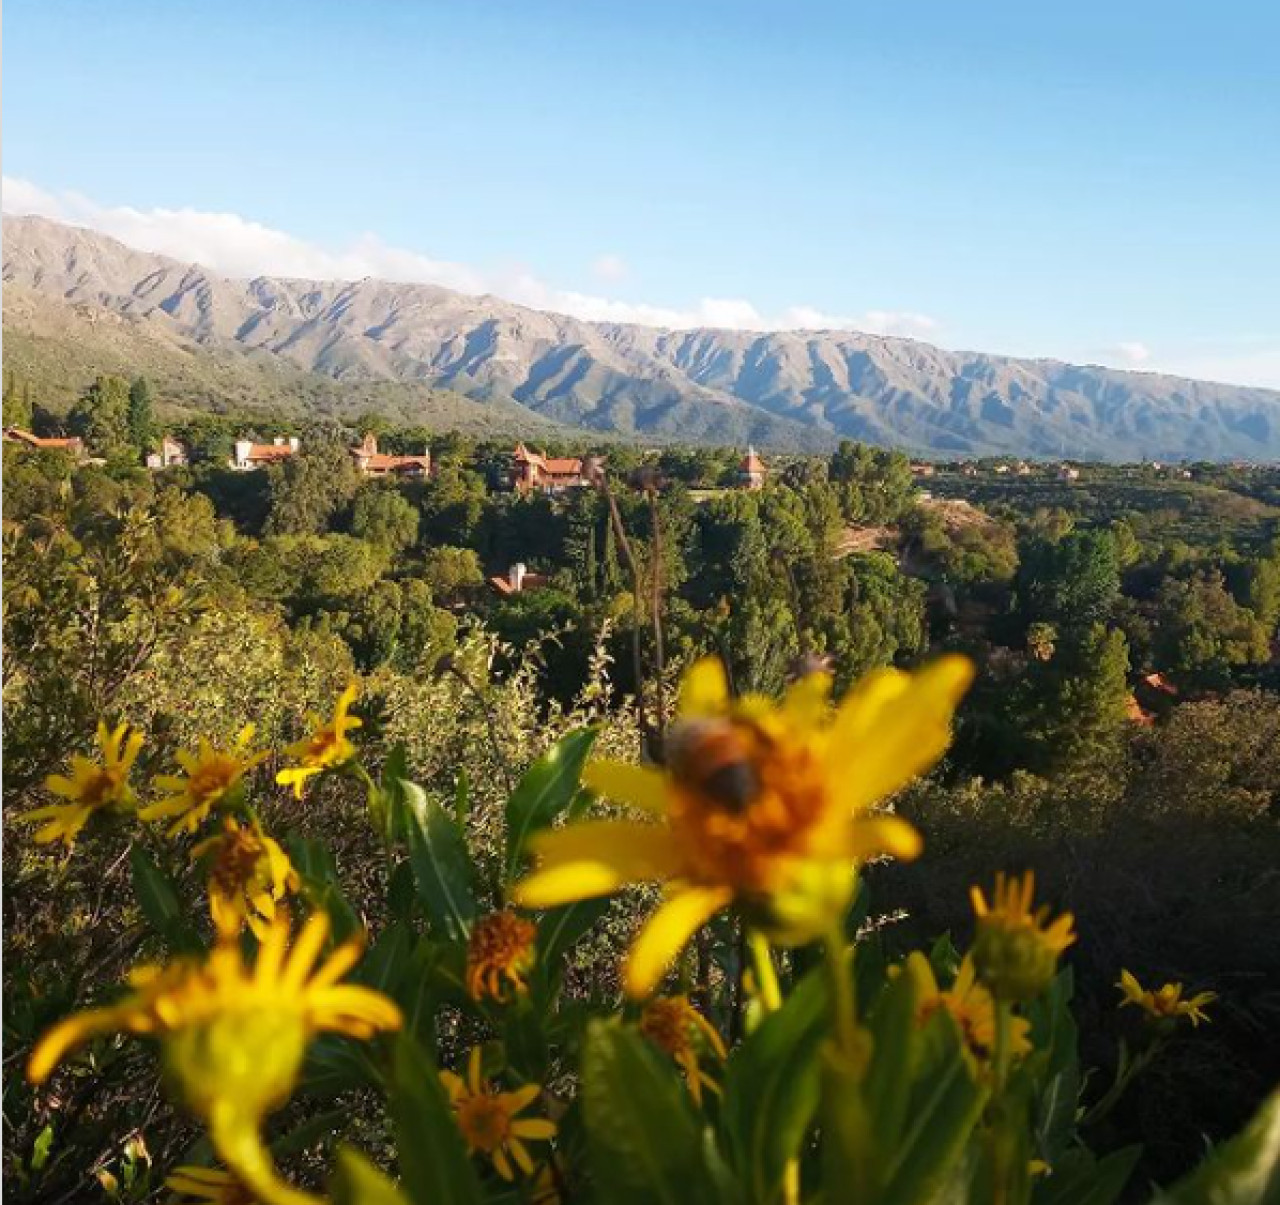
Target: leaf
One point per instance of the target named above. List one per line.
(335, 1065)
(441, 865)
(355, 1181)
(772, 1086)
(561, 928)
(315, 866)
(434, 1165)
(644, 1142)
(158, 900)
(1242, 1171)
(546, 790)
(1080, 1179)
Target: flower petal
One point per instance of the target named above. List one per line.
(871, 836)
(595, 858)
(667, 932)
(704, 689)
(643, 786)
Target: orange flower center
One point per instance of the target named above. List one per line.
(238, 861)
(501, 944)
(668, 1024)
(484, 1121)
(742, 800)
(101, 787)
(213, 777)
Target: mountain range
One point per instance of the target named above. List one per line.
(91, 302)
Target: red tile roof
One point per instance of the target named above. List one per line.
(71, 443)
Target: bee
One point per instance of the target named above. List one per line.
(715, 758)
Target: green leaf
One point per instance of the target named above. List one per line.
(772, 1086)
(546, 790)
(434, 1165)
(355, 1181)
(1080, 1179)
(644, 1141)
(315, 866)
(441, 864)
(561, 928)
(1243, 1171)
(158, 900)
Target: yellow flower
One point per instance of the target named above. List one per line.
(674, 1025)
(93, 786)
(487, 1119)
(206, 1186)
(502, 947)
(973, 1008)
(326, 748)
(1016, 950)
(1166, 1006)
(233, 1035)
(248, 874)
(765, 806)
(208, 779)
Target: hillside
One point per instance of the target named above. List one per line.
(801, 390)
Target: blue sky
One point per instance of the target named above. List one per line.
(1097, 182)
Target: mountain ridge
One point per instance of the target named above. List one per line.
(793, 389)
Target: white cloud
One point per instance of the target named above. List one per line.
(1132, 352)
(1244, 360)
(236, 246)
(610, 267)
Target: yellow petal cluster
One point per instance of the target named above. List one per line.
(1017, 948)
(325, 748)
(489, 1121)
(1167, 1004)
(248, 875)
(90, 787)
(206, 1186)
(675, 1026)
(501, 951)
(972, 1007)
(765, 806)
(208, 779)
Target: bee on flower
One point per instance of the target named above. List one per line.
(971, 1006)
(489, 1120)
(91, 787)
(326, 747)
(675, 1026)
(1016, 950)
(763, 806)
(501, 951)
(1166, 1006)
(248, 875)
(206, 1186)
(210, 778)
(233, 1035)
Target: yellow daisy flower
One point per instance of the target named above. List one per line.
(326, 748)
(488, 1119)
(502, 946)
(209, 779)
(248, 874)
(233, 1035)
(1167, 1005)
(764, 806)
(973, 1008)
(92, 786)
(206, 1186)
(674, 1025)
(1016, 950)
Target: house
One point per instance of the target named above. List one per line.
(73, 443)
(923, 469)
(373, 463)
(172, 455)
(550, 474)
(1155, 694)
(518, 580)
(1023, 469)
(1068, 472)
(249, 455)
(751, 472)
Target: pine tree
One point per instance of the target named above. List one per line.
(142, 425)
(101, 417)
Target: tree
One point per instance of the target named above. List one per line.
(384, 516)
(309, 489)
(101, 418)
(1072, 583)
(142, 423)
(17, 402)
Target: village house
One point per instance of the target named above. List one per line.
(172, 455)
(373, 463)
(73, 443)
(518, 580)
(249, 455)
(1068, 472)
(550, 474)
(923, 469)
(752, 471)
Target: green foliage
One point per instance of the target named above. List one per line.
(141, 416)
(102, 418)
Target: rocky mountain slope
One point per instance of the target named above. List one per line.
(800, 389)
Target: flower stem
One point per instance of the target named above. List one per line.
(844, 1002)
(766, 973)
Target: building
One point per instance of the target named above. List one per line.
(172, 455)
(249, 455)
(751, 472)
(1068, 472)
(518, 580)
(72, 443)
(373, 463)
(922, 468)
(550, 474)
